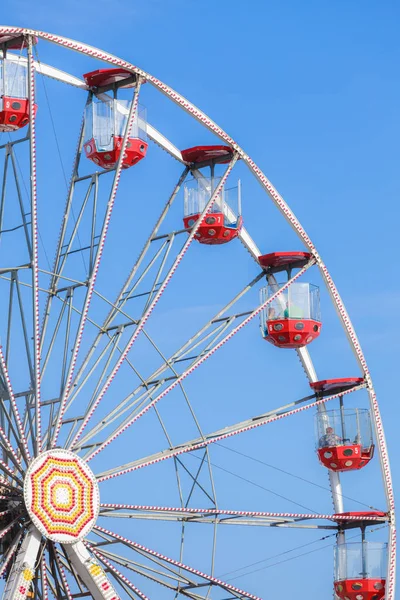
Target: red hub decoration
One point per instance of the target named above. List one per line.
(14, 113)
(360, 589)
(213, 230)
(345, 458)
(292, 333)
(107, 159)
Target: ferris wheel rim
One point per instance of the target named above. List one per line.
(293, 222)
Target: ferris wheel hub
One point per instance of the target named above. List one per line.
(61, 496)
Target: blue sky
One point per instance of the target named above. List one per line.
(311, 91)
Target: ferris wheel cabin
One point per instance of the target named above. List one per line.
(14, 101)
(343, 436)
(106, 119)
(360, 570)
(223, 221)
(292, 319)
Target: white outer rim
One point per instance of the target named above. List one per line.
(299, 230)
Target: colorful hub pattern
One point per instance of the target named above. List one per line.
(61, 496)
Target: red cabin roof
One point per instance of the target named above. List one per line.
(361, 516)
(280, 261)
(13, 40)
(204, 154)
(104, 77)
(327, 387)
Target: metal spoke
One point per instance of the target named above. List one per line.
(66, 563)
(10, 553)
(154, 575)
(153, 553)
(221, 434)
(13, 405)
(170, 573)
(61, 571)
(210, 515)
(8, 472)
(196, 364)
(151, 306)
(165, 570)
(34, 256)
(286, 523)
(92, 279)
(209, 333)
(43, 578)
(9, 451)
(55, 275)
(51, 576)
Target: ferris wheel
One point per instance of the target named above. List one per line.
(91, 367)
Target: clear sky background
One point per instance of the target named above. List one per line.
(311, 90)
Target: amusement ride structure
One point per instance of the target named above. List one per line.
(66, 346)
